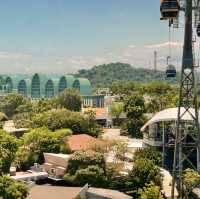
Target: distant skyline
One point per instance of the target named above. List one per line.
(64, 36)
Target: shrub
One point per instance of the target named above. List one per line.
(8, 148)
(11, 103)
(70, 99)
(82, 159)
(145, 171)
(92, 175)
(149, 153)
(191, 179)
(151, 191)
(62, 118)
(11, 189)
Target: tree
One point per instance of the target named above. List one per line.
(149, 153)
(116, 110)
(134, 125)
(94, 128)
(125, 88)
(86, 167)
(83, 159)
(12, 189)
(93, 175)
(38, 141)
(151, 191)
(144, 172)
(161, 96)
(8, 148)
(104, 75)
(70, 99)
(43, 105)
(135, 108)
(62, 118)
(11, 103)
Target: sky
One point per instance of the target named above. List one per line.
(63, 36)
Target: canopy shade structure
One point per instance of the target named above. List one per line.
(170, 114)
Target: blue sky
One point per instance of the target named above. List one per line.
(72, 34)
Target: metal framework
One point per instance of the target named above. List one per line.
(187, 142)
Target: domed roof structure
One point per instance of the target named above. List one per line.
(170, 114)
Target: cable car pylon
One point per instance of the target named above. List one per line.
(187, 142)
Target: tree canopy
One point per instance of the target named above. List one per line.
(104, 75)
(8, 148)
(70, 99)
(38, 141)
(12, 189)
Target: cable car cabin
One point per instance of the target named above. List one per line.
(169, 9)
(198, 29)
(170, 71)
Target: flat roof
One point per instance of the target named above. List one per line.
(109, 193)
(53, 192)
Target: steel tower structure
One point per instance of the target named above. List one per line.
(187, 141)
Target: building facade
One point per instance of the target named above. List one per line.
(42, 86)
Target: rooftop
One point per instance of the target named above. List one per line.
(82, 142)
(53, 192)
(169, 114)
(100, 113)
(108, 193)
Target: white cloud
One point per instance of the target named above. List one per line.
(132, 46)
(138, 56)
(165, 45)
(14, 56)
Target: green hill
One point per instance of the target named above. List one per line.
(104, 75)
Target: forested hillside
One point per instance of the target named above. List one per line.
(104, 75)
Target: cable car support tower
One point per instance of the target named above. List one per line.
(187, 142)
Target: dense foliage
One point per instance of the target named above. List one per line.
(94, 175)
(12, 189)
(134, 106)
(70, 99)
(63, 118)
(149, 153)
(117, 109)
(8, 148)
(191, 179)
(161, 95)
(82, 159)
(38, 141)
(126, 88)
(104, 75)
(151, 191)
(86, 167)
(145, 171)
(11, 104)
